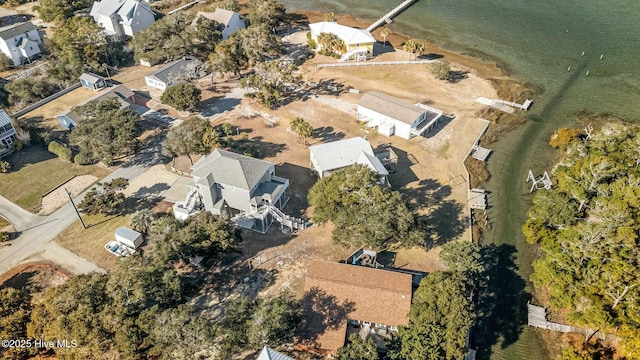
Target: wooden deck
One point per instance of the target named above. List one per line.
(388, 16)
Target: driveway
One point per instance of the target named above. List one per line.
(18, 217)
(34, 238)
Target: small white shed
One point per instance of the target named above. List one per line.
(128, 237)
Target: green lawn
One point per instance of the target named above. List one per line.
(90, 243)
(36, 171)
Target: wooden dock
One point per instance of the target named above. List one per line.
(388, 16)
(537, 317)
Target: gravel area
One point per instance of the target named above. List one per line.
(54, 200)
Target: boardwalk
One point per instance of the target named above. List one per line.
(388, 16)
(537, 317)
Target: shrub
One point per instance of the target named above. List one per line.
(5, 166)
(60, 150)
(83, 159)
(5, 62)
(17, 145)
(309, 35)
(312, 44)
(440, 70)
(183, 96)
(4, 236)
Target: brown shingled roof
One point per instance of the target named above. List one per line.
(337, 292)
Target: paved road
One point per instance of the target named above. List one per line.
(33, 240)
(18, 217)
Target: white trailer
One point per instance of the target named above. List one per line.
(129, 238)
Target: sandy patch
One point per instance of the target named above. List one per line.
(152, 183)
(55, 199)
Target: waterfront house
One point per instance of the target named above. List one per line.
(7, 133)
(20, 42)
(121, 18)
(358, 42)
(230, 21)
(172, 73)
(393, 116)
(329, 157)
(340, 299)
(126, 97)
(242, 188)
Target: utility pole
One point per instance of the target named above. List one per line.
(75, 208)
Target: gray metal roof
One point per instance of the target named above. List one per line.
(9, 32)
(91, 77)
(173, 69)
(268, 353)
(127, 233)
(390, 106)
(5, 119)
(106, 7)
(342, 153)
(120, 92)
(231, 169)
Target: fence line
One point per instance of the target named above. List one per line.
(49, 98)
(376, 63)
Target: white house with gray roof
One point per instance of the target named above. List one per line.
(20, 42)
(393, 116)
(173, 73)
(120, 18)
(230, 21)
(7, 133)
(237, 186)
(336, 155)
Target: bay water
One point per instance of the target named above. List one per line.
(583, 56)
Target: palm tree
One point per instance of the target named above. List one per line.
(413, 47)
(384, 33)
(142, 220)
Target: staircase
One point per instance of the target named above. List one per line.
(387, 17)
(286, 220)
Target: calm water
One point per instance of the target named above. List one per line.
(536, 41)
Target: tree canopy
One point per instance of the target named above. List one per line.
(189, 138)
(183, 96)
(358, 349)
(267, 12)
(439, 321)
(362, 211)
(587, 228)
(414, 47)
(303, 129)
(104, 199)
(59, 10)
(105, 131)
(269, 80)
(80, 45)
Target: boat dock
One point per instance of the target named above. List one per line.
(537, 317)
(388, 16)
(503, 105)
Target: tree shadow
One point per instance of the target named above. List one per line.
(502, 299)
(429, 193)
(403, 174)
(327, 134)
(28, 156)
(444, 223)
(148, 155)
(381, 48)
(430, 56)
(217, 105)
(14, 19)
(257, 147)
(301, 180)
(321, 312)
(443, 122)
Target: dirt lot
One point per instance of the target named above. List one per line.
(55, 199)
(35, 278)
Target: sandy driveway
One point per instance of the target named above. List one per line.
(55, 199)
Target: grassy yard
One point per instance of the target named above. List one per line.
(90, 243)
(4, 223)
(34, 171)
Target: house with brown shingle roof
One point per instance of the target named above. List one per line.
(341, 296)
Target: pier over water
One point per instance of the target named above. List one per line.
(388, 16)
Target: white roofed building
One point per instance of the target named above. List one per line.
(20, 42)
(358, 42)
(7, 133)
(393, 116)
(336, 155)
